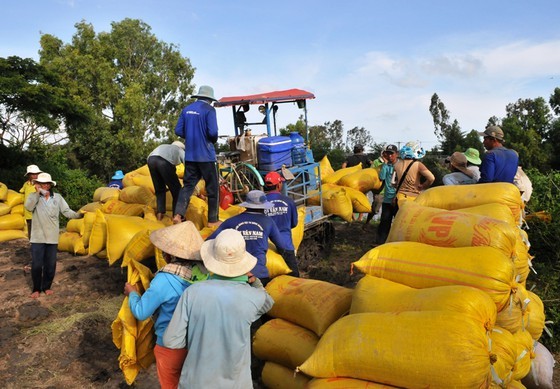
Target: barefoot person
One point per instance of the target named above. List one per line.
(46, 206)
(180, 244)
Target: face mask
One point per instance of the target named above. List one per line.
(43, 192)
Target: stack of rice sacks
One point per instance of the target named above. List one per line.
(303, 310)
(12, 221)
(344, 191)
(443, 303)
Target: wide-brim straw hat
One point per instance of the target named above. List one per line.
(205, 91)
(226, 255)
(179, 144)
(32, 169)
(459, 162)
(44, 178)
(256, 199)
(180, 240)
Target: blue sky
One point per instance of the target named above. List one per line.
(373, 64)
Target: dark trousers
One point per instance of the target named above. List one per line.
(43, 266)
(194, 171)
(164, 175)
(388, 212)
(290, 259)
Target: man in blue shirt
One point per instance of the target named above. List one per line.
(198, 125)
(256, 229)
(499, 164)
(284, 214)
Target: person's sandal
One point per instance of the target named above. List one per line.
(34, 295)
(49, 292)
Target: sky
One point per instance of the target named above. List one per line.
(369, 63)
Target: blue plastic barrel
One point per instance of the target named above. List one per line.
(298, 150)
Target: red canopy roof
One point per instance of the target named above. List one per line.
(261, 98)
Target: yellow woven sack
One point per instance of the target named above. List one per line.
(298, 231)
(344, 383)
(6, 235)
(432, 349)
(503, 344)
(494, 210)
(312, 304)
(13, 198)
(513, 315)
(87, 226)
(143, 182)
(139, 248)
(363, 180)
(98, 236)
(525, 354)
(521, 259)
(3, 191)
(278, 376)
(536, 320)
(275, 263)
(92, 207)
(360, 202)
(180, 170)
(118, 207)
(337, 175)
(463, 196)
(143, 170)
(420, 265)
(4, 209)
(283, 342)
(326, 168)
(439, 227)
(12, 222)
(197, 212)
(232, 210)
(75, 225)
(67, 240)
(79, 248)
(137, 195)
(17, 210)
(337, 202)
(121, 230)
(374, 294)
(104, 194)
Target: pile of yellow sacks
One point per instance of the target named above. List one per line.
(344, 191)
(117, 226)
(442, 304)
(12, 221)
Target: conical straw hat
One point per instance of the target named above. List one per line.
(180, 240)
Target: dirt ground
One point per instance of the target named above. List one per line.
(64, 340)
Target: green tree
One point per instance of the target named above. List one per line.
(33, 105)
(359, 135)
(133, 85)
(526, 128)
(449, 134)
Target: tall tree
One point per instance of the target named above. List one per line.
(526, 128)
(359, 135)
(33, 105)
(449, 134)
(133, 85)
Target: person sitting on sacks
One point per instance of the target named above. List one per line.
(256, 228)
(460, 173)
(213, 318)
(473, 162)
(116, 180)
(180, 244)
